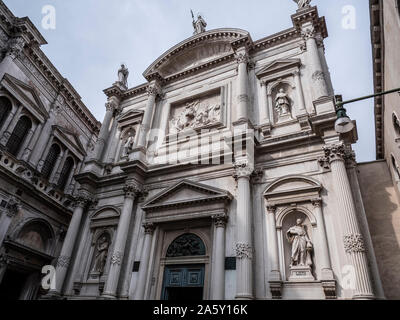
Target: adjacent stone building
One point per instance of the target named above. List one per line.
(221, 177)
(380, 180)
(46, 133)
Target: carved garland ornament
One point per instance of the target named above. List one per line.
(354, 243)
(63, 261)
(116, 258)
(244, 251)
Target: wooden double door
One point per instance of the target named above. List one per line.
(183, 283)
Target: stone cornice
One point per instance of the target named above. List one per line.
(378, 55)
(310, 15)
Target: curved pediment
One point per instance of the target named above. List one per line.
(195, 51)
(292, 185)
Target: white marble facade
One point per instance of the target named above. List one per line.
(198, 175)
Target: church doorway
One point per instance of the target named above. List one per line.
(183, 283)
(11, 288)
(183, 278)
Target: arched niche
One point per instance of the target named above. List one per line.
(37, 234)
(286, 219)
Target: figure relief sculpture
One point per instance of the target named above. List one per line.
(301, 250)
(195, 115)
(101, 254)
(303, 3)
(123, 74)
(199, 25)
(282, 104)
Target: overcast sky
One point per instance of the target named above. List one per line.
(92, 38)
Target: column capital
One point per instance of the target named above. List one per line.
(154, 89)
(149, 228)
(244, 251)
(243, 169)
(15, 47)
(271, 209)
(242, 57)
(317, 202)
(308, 32)
(220, 220)
(84, 198)
(131, 189)
(337, 152)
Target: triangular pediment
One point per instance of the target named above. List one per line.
(278, 65)
(70, 138)
(26, 94)
(186, 192)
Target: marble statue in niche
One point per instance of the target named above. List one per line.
(196, 114)
(301, 245)
(282, 104)
(129, 143)
(100, 258)
(123, 74)
(301, 252)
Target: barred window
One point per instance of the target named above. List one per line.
(65, 172)
(50, 161)
(18, 135)
(5, 108)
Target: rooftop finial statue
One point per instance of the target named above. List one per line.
(303, 3)
(123, 74)
(199, 25)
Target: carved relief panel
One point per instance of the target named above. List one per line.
(203, 111)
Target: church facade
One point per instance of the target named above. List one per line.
(222, 177)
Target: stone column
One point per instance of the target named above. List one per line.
(6, 219)
(218, 284)
(300, 94)
(144, 261)
(43, 144)
(15, 47)
(153, 90)
(113, 148)
(111, 106)
(318, 76)
(58, 166)
(110, 290)
(242, 84)
(244, 244)
(28, 151)
(324, 259)
(82, 201)
(264, 109)
(275, 278)
(7, 122)
(24, 152)
(39, 166)
(11, 126)
(353, 241)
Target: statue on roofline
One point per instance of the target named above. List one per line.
(303, 3)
